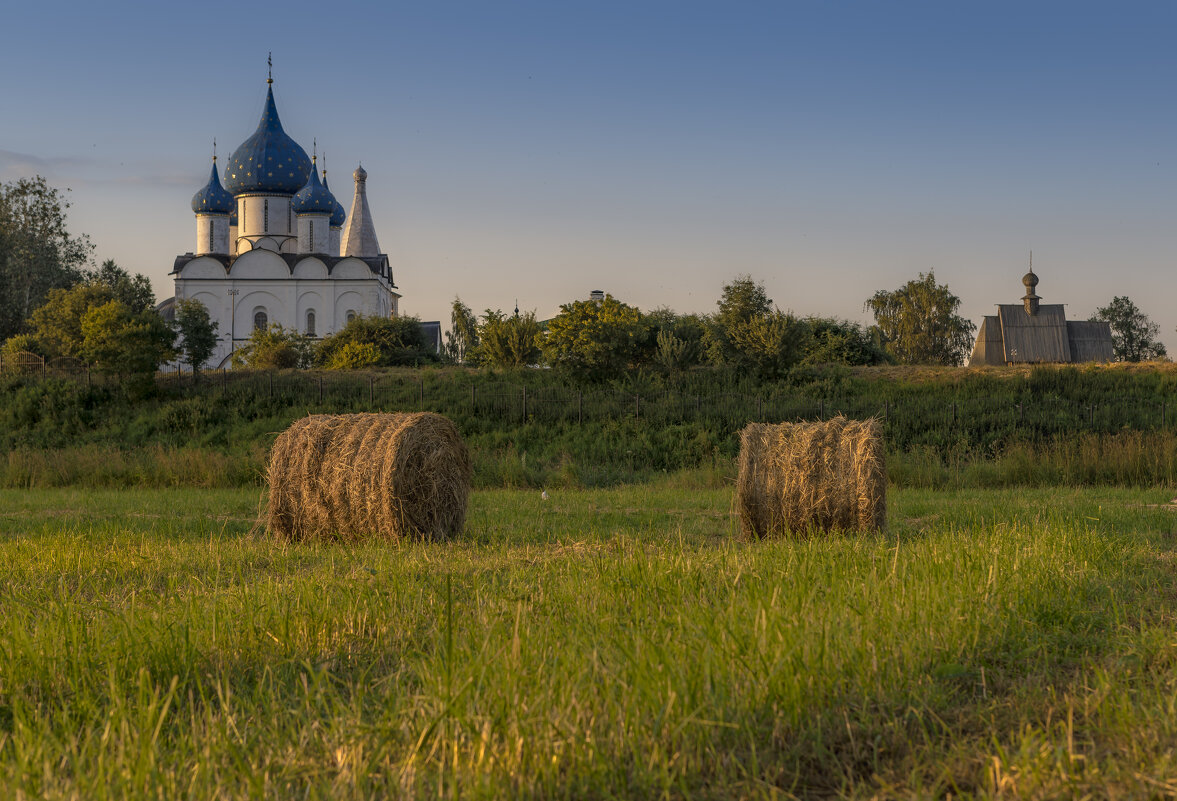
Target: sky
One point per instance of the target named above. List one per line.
(531, 152)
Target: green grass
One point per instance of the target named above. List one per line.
(606, 643)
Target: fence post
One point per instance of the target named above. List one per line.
(421, 392)
(525, 404)
(320, 390)
(821, 409)
(579, 407)
(371, 390)
(271, 375)
(473, 396)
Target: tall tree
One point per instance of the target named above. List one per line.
(595, 339)
(742, 301)
(1134, 335)
(118, 340)
(37, 252)
(197, 332)
(918, 324)
(57, 324)
(132, 290)
(509, 341)
(461, 341)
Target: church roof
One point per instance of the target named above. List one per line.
(269, 161)
(339, 216)
(314, 198)
(213, 199)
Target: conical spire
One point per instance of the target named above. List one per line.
(359, 237)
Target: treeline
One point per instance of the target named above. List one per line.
(604, 338)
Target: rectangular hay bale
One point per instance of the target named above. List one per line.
(798, 476)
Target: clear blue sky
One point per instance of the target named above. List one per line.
(538, 150)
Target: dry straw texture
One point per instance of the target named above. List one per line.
(800, 476)
(353, 476)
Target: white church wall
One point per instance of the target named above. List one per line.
(212, 234)
(312, 302)
(203, 268)
(250, 302)
(310, 268)
(260, 264)
(351, 268)
(348, 302)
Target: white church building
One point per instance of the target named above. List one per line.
(273, 245)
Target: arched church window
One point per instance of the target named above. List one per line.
(351, 315)
(260, 319)
(311, 323)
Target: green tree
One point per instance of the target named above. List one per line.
(399, 340)
(37, 252)
(273, 348)
(918, 323)
(134, 291)
(1134, 335)
(197, 332)
(674, 342)
(841, 342)
(57, 324)
(118, 340)
(461, 341)
(509, 341)
(595, 339)
(742, 301)
(770, 344)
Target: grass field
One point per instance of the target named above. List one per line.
(606, 643)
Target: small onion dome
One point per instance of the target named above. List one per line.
(360, 174)
(213, 199)
(339, 216)
(314, 197)
(1029, 280)
(269, 162)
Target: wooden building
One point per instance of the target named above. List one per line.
(1038, 333)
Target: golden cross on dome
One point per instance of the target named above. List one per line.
(270, 69)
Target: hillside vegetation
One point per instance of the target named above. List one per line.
(532, 427)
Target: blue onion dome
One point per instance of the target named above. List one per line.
(314, 197)
(339, 216)
(213, 199)
(268, 162)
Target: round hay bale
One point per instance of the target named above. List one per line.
(799, 476)
(353, 476)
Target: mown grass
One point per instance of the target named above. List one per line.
(607, 643)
